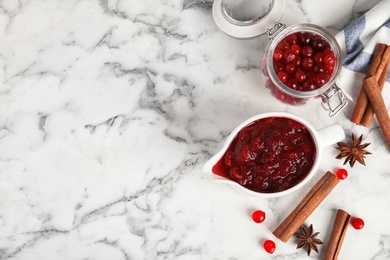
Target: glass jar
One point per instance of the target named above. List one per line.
(250, 18)
(332, 96)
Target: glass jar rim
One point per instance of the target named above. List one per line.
(303, 27)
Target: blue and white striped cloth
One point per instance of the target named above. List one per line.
(357, 42)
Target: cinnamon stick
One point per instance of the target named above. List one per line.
(308, 204)
(337, 236)
(369, 113)
(385, 57)
(374, 95)
(362, 100)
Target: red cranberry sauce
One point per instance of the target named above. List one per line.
(269, 155)
(304, 61)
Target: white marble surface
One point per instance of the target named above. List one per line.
(109, 109)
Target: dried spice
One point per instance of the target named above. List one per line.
(306, 206)
(353, 152)
(307, 239)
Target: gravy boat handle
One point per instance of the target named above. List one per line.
(330, 135)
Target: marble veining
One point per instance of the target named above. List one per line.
(109, 110)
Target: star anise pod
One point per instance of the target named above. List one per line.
(354, 152)
(307, 239)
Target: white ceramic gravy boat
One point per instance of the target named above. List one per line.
(322, 138)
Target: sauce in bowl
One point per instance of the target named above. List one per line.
(269, 155)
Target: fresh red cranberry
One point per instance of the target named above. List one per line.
(316, 36)
(310, 74)
(283, 45)
(342, 173)
(329, 68)
(295, 48)
(307, 63)
(282, 76)
(357, 223)
(269, 246)
(292, 83)
(317, 57)
(278, 66)
(306, 38)
(292, 39)
(321, 79)
(300, 75)
(278, 54)
(307, 51)
(318, 68)
(329, 58)
(297, 61)
(308, 85)
(289, 56)
(258, 216)
(318, 44)
(290, 68)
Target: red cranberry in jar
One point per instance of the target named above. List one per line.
(308, 68)
(307, 63)
(306, 38)
(318, 44)
(307, 51)
(283, 45)
(292, 83)
(292, 39)
(318, 68)
(278, 65)
(317, 57)
(300, 75)
(278, 54)
(321, 78)
(283, 76)
(328, 57)
(309, 47)
(290, 68)
(296, 49)
(289, 55)
(308, 85)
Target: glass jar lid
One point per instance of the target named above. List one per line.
(246, 18)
